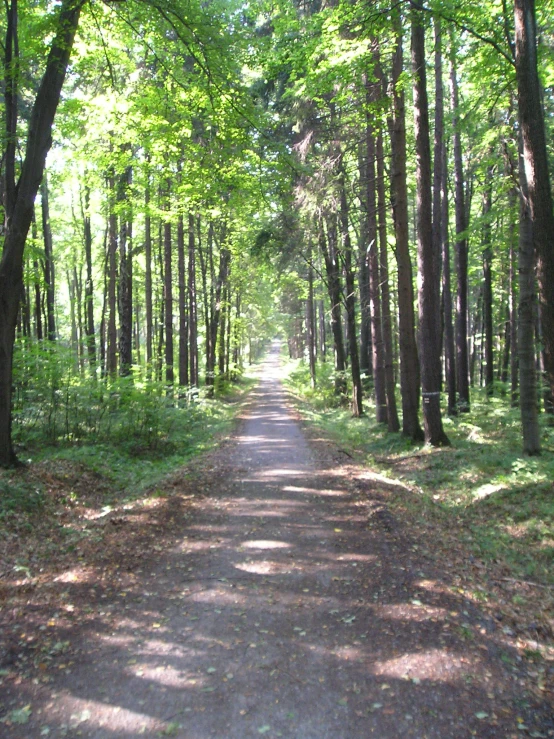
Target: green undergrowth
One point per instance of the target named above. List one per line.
(500, 503)
(111, 443)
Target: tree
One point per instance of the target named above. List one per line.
(20, 194)
(531, 116)
(428, 255)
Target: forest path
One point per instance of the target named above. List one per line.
(291, 604)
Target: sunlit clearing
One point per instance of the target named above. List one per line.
(313, 491)
(276, 473)
(88, 713)
(77, 574)
(433, 664)
(376, 477)
(409, 612)
(265, 544)
(485, 490)
(265, 567)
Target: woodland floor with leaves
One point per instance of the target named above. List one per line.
(272, 587)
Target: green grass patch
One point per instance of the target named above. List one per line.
(501, 502)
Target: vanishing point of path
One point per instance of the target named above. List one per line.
(291, 604)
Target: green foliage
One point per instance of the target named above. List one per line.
(129, 431)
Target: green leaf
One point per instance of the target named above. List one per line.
(20, 715)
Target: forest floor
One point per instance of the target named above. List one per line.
(273, 588)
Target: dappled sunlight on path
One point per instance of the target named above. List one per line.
(287, 610)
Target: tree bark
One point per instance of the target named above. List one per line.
(310, 318)
(526, 326)
(329, 252)
(531, 116)
(168, 299)
(49, 276)
(428, 257)
(357, 393)
(20, 199)
(125, 277)
(148, 273)
(193, 314)
(183, 306)
(409, 364)
(378, 348)
(111, 354)
(89, 285)
(487, 285)
(461, 249)
(393, 424)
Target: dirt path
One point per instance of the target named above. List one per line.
(291, 604)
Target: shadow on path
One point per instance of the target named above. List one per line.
(288, 607)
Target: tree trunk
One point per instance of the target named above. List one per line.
(148, 274)
(48, 262)
(183, 307)
(514, 360)
(487, 285)
(111, 354)
(526, 326)
(357, 406)
(378, 349)
(193, 322)
(461, 249)
(168, 300)
(531, 117)
(409, 364)
(428, 257)
(329, 252)
(310, 318)
(393, 423)
(363, 275)
(125, 277)
(89, 285)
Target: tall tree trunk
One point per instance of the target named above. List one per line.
(409, 364)
(111, 354)
(440, 224)
(218, 311)
(461, 249)
(161, 304)
(514, 360)
(487, 284)
(183, 306)
(428, 256)
(363, 274)
(148, 274)
(125, 276)
(206, 308)
(526, 326)
(357, 406)
(329, 251)
(168, 298)
(49, 277)
(89, 285)
(193, 321)
(25, 308)
(378, 348)
(393, 423)
(310, 318)
(531, 117)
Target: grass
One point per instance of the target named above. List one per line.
(500, 502)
